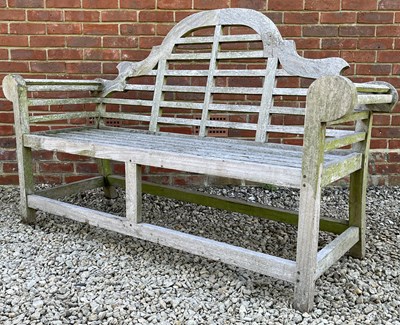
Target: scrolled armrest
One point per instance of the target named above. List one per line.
(330, 98)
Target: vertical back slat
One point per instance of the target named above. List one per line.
(210, 81)
(158, 95)
(267, 100)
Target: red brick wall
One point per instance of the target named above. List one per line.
(85, 38)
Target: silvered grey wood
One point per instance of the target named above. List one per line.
(258, 262)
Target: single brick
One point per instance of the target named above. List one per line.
(10, 168)
(89, 16)
(386, 132)
(26, 3)
(285, 5)
(134, 55)
(394, 144)
(358, 56)
(378, 144)
(62, 4)
(137, 29)
(374, 69)
(320, 54)
(56, 167)
(42, 155)
(9, 179)
(394, 157)
(48, 67)
(388, 56)
(252, 4)
(210, 4)
(83, 41)
(176, 4)
(100, 4)
(100, 29)
(69, 157)
(375, 43)
(7, 143)
(83, 67)
(301, 17)
(48, 179)
(359, 4)
(14, 41)
(338, 17)
(359, 31)
(290, 31)
(44, 15)
(119, 16)
(27, 28)
(12, 14)
(6, 130)
(8, 155)
(319, 5)
(148, 42)
(19, 67)
(276, 17)
(386, 31)
(163, 29)
(156, 16)
(386, 169)
(28, 54)
(339, 43)
(375, 17)
(90, 168)
(74, 178)
(64, 28)
(47, 41)
(65, 54)
(325, 31)
(389, 5)
(120, 42)
(138, 4)
(307, 43)
(101, 55)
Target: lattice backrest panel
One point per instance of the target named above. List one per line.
(218, 69)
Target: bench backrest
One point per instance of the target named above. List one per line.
(221, 69)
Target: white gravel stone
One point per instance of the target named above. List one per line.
(63, 272)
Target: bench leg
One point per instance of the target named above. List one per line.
(307, 247)
(26, 183)
(357, 202)
(133, 185)
(358, 190)
(106, 170)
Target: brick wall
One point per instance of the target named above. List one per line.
(85, 39)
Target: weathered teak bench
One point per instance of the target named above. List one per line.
(233, 72)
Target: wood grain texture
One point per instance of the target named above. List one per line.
(258, 262)
(328, 98)
(15, 90)
(332, 252)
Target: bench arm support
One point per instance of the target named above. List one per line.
(383, 107)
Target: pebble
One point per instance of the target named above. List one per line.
(64, 272)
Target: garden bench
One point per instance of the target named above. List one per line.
(211, 75)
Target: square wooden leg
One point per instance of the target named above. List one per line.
(133, 185)
(357, 202)
(105, 169)
(307, 247)
(26, 183)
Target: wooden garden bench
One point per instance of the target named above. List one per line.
(207, 75)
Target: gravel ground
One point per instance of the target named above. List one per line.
(64, 272)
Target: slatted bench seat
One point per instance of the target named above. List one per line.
(228, 69)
